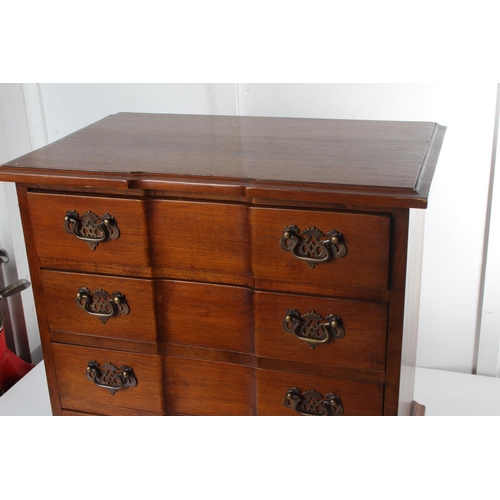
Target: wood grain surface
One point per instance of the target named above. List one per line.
(196, 387)
(150, 151)
(366, 237)
(370, 153)
(362, 348)
(59, 293)
(75, 388)
(358, 399)
(56, 248)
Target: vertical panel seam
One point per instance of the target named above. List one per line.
(487, 228)
(237, 98)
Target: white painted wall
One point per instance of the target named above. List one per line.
(71, 107)
(488, 362)
(453, 249)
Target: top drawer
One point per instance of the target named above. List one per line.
(332, 250)
(89, 233)
(140, 237)
(211, 242)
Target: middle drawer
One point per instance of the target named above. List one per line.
(308, 329)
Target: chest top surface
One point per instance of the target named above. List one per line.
(374, 158)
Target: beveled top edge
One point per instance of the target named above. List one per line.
(372, 158)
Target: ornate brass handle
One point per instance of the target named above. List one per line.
(308, 246)
(110, 377)
(313, 403)
(101, 303)
(91, 228)
(312, 327)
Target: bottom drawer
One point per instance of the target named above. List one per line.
(280, 393)
(108, 382)
(105, 389)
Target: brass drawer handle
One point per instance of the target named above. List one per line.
(102, 304)
(313, 403)
(110, 377)
(91, 228)
(312, 327)
(308, 246)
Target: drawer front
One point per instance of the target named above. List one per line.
(80, 393)
(179, 312)
(84, 241)
(133, 318)
(341, 333)
(295, 246)
(195, 387)
(293, 394)
(201, 241)
(205, 315)
(160, 238)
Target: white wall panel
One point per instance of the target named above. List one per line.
(35, 115)
(69, 107)
(488, 362)
(455, 221)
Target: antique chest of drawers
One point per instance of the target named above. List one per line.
(209, 265)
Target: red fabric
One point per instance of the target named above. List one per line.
(12, 367)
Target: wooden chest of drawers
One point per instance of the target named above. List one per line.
(207, 265)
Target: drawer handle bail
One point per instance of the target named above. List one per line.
(309, 247)
(313, 403)
(110, 377)
(101, 304)
(91, 228)
(312, 327)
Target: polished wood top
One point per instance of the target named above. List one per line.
(378, 158)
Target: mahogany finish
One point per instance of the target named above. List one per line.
(71, 362)
(162, 244)
(63, 314)
(358, 399)
(365, 325)
(366, 238)
(134, 150)
(199, 387)
(55, 248)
